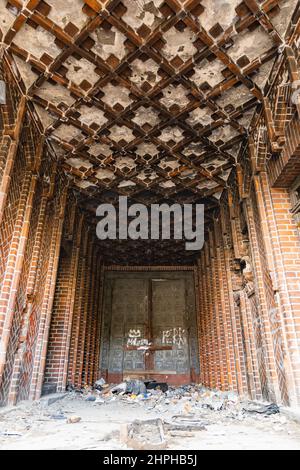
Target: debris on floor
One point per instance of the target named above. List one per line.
(133, 416)
(267, 410)
(144, 435)
(73, 419)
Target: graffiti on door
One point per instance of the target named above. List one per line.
(135, 338)
(174, 336)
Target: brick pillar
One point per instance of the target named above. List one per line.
(282, 239)
(97, 273)
(99, 323)
(263, 287)
(224, 305)
(10, 145)
(248, 319)
(90, 343)
(232, 284)
(202, 321)
(84, 314)
(78, 309)
(14, 264)
(68, 312)
(220, 335)
(46, 308)
(29, 300)
(217, 314)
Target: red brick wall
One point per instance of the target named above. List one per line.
(74, 341)
(51, 272)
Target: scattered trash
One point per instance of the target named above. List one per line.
(99, 384)
(120, 388)
(153, 385)
(58, 416)
(90, 398)
(135, 387)
(132, 387)
(166, 413)
(186, 423)
(73, 419)
(144, 435)
(267, 410)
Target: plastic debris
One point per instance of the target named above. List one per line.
(267, 410)
(73, 419)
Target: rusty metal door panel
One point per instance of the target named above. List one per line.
(149, 327)
(169, 326)
(129, 319)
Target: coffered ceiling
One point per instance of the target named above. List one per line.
(148, 99)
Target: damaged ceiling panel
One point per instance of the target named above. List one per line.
(147, 98)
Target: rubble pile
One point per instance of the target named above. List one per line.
(182, 410)
(140, 415)
(192, 400)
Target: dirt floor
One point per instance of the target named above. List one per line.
(223, 423)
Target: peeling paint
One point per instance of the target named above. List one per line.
(67, 11)
(200, 116)
(223, 133)
(235, 97)
(99, 149)
(85, 184)
(126, 184)
(125, 163)
(91, 115)
(146, 148)
(104, 174)
(167, 184)
(81, 70)
(44, 116)
(7, 17)
(175, 96)
(142, 12)
(169, 164)
(195, 148)
(119, 133)
(218, 11)
(174, 134)
(28, 76)
(207, 184)
(109, 42)
(79, 163)
(283, 18)
(116, 95)
(179, 43)
(251, 44)
(37, 41)
(55, 94)
(67, 132)
(146, 71)
(209, 72)
(146, 116)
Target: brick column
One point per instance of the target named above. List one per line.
(228, 340)
(78, 309)
(29, 300)
(46, 309)
(10, 144)
(283, 241)
(68, 312)
(84, 315)
(99, 323)
(248, 319)
(266, 302)
(14, 264)
(89, 323)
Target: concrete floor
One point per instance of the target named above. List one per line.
(33, 426)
